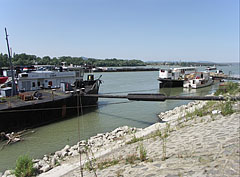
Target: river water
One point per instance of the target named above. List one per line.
(110, 114)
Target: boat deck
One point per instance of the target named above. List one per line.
(47, 95)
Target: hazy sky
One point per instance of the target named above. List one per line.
(187, 30)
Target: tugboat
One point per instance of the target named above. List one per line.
(199, 80)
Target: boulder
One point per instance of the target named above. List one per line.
(7, 173)
(58, 153)
(53, 161)
(66, 148)
(45, 168)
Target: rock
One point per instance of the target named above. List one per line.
(53, 161)
(42, 163)
(66, 148)
(58, 153)
(75, 153)
(45, 168)
(75, 147)
(7, 173)
(45, 158)
(35, 160)
(119, 134)
(36, 166)
(216, 112)
(64, 154)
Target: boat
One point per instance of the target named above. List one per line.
(175, 77)
(45, 97)
(3, 79)
(201, 79)
(211, 68)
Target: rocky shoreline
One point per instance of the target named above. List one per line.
(66, 161)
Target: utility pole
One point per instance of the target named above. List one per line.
(14, 92)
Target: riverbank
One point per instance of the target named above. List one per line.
(187, 142)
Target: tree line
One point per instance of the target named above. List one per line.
(26, 60)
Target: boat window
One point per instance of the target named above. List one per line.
(162, 71)
(77, 74)
(39, 84)
(24, 75)
(33, 84)
(50, 83)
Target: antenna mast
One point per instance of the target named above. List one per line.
(14, 92)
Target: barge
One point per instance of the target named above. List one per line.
(47, 96)
(169, 78)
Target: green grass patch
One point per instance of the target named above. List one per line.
(229, 87)
(24, 167)
(107, 163)
(134, 140)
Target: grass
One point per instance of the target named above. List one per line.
(107, 163)
(131, 159)
(230, 88)
(24, 167)
(134, 140)
(142, 152)
(226, 108)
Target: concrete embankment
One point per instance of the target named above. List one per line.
(185, 143)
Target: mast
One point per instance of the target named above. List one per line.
(14, 92)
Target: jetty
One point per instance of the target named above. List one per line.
(221, 76)
(109, 69)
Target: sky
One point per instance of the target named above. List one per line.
(148, 30)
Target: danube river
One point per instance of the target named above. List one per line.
(110, 114)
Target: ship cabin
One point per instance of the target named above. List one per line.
(37, 80)
(176, 73)
(168, 74)
(185, 70)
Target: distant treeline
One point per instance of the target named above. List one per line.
(24, 60)
(185, 63)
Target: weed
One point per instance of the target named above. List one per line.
(142, 152)
(226, 108)
(164, 148)
(134, 140)
(24, 167)
(230, 88)
(107, 163)
(131, 158)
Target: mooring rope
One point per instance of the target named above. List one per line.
(90, 162)
(79, 136)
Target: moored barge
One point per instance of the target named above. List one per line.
(46, 97)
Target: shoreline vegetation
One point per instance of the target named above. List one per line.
(27, 60)
(200, 138)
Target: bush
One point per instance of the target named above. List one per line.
(24, 167)
(226, 108)
(230, 88)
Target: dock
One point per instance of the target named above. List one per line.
(216, 76)
(124, 69)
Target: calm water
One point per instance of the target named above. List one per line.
(110, 114)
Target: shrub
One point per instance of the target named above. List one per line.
(24, 167)
(226, 108)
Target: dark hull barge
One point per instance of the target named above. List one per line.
(170, 83)
(54, 105)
